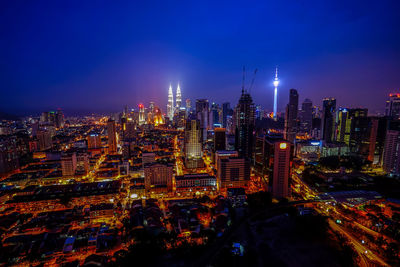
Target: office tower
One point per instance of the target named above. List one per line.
(306, 116)
(148, 158)
(291, 122)
(343, 126)
(233, 172)
(280, 167)
(94, 140)
(112, 136)
(170, 105)
(44, 139)
(82, 162)
(59, 123)
(193, 144)
(68, 164)
(276, 83)
(158, 117)
(393, 106)
(151, 107)
(215, 112)
(130, 130)
(203, 115)
(328, 115)
(219, 139)
(223, 154)
(391, 158)
(158, 177)
(142, 117)
(178, 97)
(259, 112)
(244, 122)
(188, 106)
(226, 111)
(180, 118)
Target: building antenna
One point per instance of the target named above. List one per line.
(244, 71)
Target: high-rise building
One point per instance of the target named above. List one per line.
(226, 111)
(130, 129)
(178, 97)
(215, 114)
(328, 115)
(142, 117)
(94, 140)
(59, 123)
(44, 139)
(391, 158)
(193, 144)
(393, 106)
(306, 116)
(244, 121)
(68, 164)
(259, 112)
(291, 121)
(170, 105)
(188, 106)
(233, 172)
(203, 115)
(158, 177)
(219, 139)
(112, 136)
(148, 157)
(343, 126)
(276, 83)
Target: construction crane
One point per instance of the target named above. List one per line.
(252, 80)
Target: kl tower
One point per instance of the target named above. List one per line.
(276, 83)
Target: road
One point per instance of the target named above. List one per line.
(365, 255)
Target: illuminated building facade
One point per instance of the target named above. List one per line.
(306, 117)
(198, 182)
(193, 145)
(178, 97)
(170, 105)
(393, 106)
(233, 172)
(44, 139)
(391, 158)
(142, 117)
(188, 106)
(68, 164)
(94, 140)
(112, 136)
(158, 177)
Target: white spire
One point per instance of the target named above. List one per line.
(276, 83)
(170, 105)
(178, 97)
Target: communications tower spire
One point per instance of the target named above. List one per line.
(276, 83)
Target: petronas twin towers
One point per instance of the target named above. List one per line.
(170, 106)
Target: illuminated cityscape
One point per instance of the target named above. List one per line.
(106, 166)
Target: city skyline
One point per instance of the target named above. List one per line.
(76, 63)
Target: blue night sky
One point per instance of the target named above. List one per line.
(100, 55)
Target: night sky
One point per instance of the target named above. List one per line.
(99, 56)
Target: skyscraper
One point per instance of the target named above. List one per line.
(280, 167)
(188, 106)
(193, 144)
(215, 110)
(328, 115)
(178, 97)
(112, 136)
(393, 106)
(244, 120)
(233, 172)
(276, 83)
(306, 116)
(203, 115)
(142, 117)
(219, 139)
(226, 110)
(291, 122)
(170, 105)
(391, 158)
